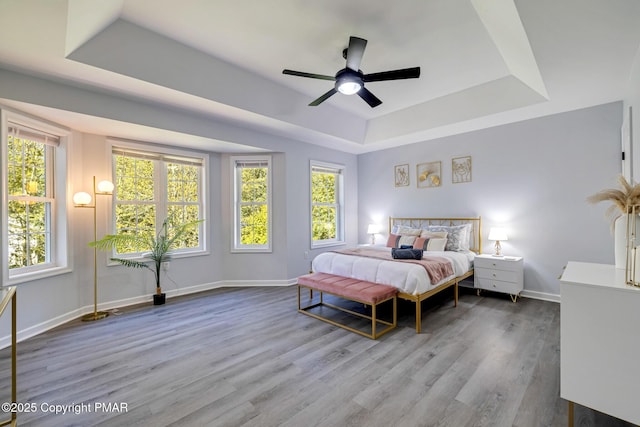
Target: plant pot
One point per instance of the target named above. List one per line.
(159, 299)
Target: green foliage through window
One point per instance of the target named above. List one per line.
(151, 188)
(325, 203)
(252, 203)
(30, 199)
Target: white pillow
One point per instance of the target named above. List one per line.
(434, 234)
(406, 240)
(436, 244)
(407, 231)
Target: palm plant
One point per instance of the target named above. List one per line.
(159, 246)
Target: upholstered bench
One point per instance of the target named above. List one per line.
(361, 291)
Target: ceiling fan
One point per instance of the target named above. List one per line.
(351, 80)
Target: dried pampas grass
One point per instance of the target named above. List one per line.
(622, 199)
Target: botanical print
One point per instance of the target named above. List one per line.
(461, 169)
(429, 174)
(402, 175)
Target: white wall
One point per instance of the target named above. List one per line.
(532, 177)
(46, 303)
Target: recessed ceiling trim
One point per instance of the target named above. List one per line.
(503, 23)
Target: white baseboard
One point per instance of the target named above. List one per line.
(42, 327)
(110, 305)
(541, 296)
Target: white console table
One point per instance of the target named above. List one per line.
(600, 340)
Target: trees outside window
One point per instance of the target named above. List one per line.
(151, 187)
(31, 202)
(252, 203)
(326, 204)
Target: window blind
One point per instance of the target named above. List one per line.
(252, 164)
(325, 169)
(24, 132)
(169, 158)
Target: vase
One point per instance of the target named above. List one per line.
(620, 241)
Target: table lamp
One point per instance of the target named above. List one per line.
(498, 234)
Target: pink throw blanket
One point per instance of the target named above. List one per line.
(437, 267)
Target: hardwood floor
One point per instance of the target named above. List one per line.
(245, 357)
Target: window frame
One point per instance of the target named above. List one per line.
(58, 240)
(162, 155)
(236, 246)
(340, 232)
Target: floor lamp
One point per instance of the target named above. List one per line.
(83, 200)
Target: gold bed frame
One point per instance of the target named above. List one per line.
(475, 245)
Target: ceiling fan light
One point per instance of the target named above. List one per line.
(349, 88)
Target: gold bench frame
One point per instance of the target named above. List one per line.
(374, 319)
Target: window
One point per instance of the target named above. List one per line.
(150, 187)
(326, 204)
(252, 203)
(34, 227)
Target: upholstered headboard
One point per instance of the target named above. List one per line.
(475, 242)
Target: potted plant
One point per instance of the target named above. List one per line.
(159, 246)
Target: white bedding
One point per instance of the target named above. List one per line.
(409, 278)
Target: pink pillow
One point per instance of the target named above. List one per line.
(420, 243)
(392, 241)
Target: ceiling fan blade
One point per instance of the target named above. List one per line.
(405, 73)
(323, 98)
(310, 75)
(369, 98)
(355, 52)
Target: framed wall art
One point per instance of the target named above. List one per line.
(429, 174)
(401, 175)
(461, 169)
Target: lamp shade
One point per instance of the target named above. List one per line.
(105, 186)
(373, 229)
(498, 233)
(82, 198)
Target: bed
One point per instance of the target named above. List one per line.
(463, 242)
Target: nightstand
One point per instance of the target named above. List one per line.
(499, 274)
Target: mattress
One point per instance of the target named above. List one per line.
(408, 278)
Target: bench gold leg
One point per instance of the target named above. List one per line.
(374, 315)
(373, 321)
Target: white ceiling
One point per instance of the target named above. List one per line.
(483, 62)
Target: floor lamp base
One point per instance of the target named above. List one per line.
(94, 316)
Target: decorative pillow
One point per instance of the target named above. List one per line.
(392, 241)
(434, 234)
(437, 244)
(408, 231)
(406, 240)
(430, 244)
(421, 243)
(458, 237)
(398, 253)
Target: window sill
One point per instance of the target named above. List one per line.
(37, 275)
(251, 251)
(327, 245)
